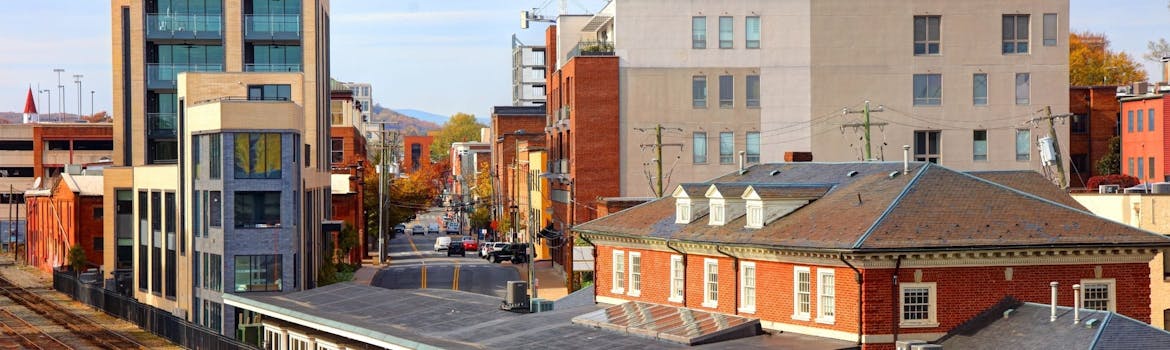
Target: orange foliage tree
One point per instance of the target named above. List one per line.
(1090, 62)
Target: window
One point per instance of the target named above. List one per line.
(619, 272)
(726, 32)
(1140, 120)
(753, 91)
(698, 32)
(753, 147)
(802, 292)
(635, 274)
(677, 271)
(1150, 118)
(747, 287)
(97, 212)
(213, 315)
(980, 145)
(257, 273)
(1023, 144)
(979, 89)
(710, 283)
(926, 145)
(1050, 26)
(1130, 161)
(926, 35)
(99, 243)
(144, 237)
(257, 156)
(927, 89)
(1015, 34)
(257, 209)
(1141, 170)
(214, 156)
(336, 150)
(683, 213)
(198, 212)
(726, 91)
(755, 215)
(699, 148)
(1080, 123)
(1099, 294)
(196, 156)
(726, 147)
(156, 251)
(918, 305)
(699, 91)
(1129, 125)
(1152, 167)
(216, 210)
(213, 272)
(715, 215)
(1023, 88)
(752, 32)
(826, 296)
(272, 92)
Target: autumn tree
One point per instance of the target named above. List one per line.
(1090, 62)
(403, 197)
(1155, 50)
(461, 127)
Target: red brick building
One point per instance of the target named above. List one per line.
(868, 252)
(349, 168)
(1095, 112)
(416, 152)
(584, 141)
(55, 145)
(66, 212)
(511, 126)
(1143, 137)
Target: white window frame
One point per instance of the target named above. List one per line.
(826, 311)
(635, 275)
(932, 312)
(710, 295)
(797, 314)
(1023, 89)
(1109, 282)
(755, 214)
(682, 212)
(677, 279)
(716, 214)
(619, 272)
(747, 291)
(299, 342)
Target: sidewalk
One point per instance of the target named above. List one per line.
(550, 284)
(365, 274)
(41, 284)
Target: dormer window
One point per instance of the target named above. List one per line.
(755, 215)
(717, 214)
(769, 202)
(683, 212)
(688, 203)
(726, 202)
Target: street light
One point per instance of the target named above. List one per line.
(60, 88)
(50, 104)
(77, 79)
(91, 102)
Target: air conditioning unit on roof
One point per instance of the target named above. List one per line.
(907, 344)
(1108, 188)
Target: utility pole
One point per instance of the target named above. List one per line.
(866, 126)
(1059, 160)
(658, 152)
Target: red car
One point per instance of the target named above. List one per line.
(470, 244)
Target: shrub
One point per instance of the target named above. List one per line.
(1125, 181)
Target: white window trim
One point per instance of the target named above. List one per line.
(675, 295)
(683, 211)
(709, 265)
(632, 291)
(757, 220)
(932, 314)
(796, 314)
(822, 273)
(618, 257)
(1111, 282)
(744, 307)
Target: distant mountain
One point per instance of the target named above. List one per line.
(424, 115)
(407, 124)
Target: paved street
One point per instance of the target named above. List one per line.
(414, 263)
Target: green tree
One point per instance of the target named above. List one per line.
(461, 127)
(77, 258)
(403, 197)
(1090, 62)
(1110, 163)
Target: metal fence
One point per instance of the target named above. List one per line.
(151, 319)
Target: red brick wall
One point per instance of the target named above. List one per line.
(49, 240)
(1144, 144)
(1100, 104)
(424, 159)
(46, 132)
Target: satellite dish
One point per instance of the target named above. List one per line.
(37, 182)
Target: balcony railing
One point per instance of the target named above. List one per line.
(165, 76)
(184, 26)
(272, 27)
(591, 48)
(272, 67)
(160, 125)
(564, 113)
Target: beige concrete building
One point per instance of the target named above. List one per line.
(1142, 211)
(957, 81)
(221, 136)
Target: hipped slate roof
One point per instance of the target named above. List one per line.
(928, 208)
(1027, 326)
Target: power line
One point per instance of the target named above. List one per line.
(657, 146)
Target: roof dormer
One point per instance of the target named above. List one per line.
(726, 202)
(767, 203)
(689, 203)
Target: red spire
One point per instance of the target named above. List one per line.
(30, 107)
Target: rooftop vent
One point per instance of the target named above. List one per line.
(894, 174)
(1091, 323)
(774, 172)
(852, 173)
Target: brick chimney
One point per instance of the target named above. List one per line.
(798, 156)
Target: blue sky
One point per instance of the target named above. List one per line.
(438, 56)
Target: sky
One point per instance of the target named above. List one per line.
(441, 57)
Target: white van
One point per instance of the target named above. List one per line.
(441, 243)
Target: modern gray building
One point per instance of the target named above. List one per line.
(528, 74)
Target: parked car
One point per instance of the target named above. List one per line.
(470, 244)
(433, 228)
(452, 227)
(91, 276)
(441, 243)
(400, 228)
(456, 248)
(514, 252)
(418, 230)
(488, 247)
(481, 251)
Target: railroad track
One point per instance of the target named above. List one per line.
(25, 335)
(81, 327)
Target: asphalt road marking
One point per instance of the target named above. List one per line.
(455, 279)
(423, 281)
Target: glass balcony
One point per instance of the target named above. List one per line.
(272, 27)
(166, 76)
(160, 125)
(184, 26)
(272, 67)
(591, 48)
